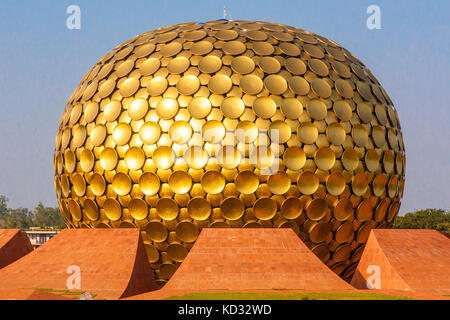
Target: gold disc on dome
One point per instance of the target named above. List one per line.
(299, 85)
(279, 183)
(157, 86)
(167, 108)
(316, 209)
(265, 208)
(129, 87)
(91, 209)
(336, 133)
(152, 253)
(319, 232)
(149, 66)
(360, 183)
(263, 48)
(344, 233)
(294, 158)
(269, 65)
(350, 159)
(242, 65)
(307, 132)
(180, 182)
(180, 132)
(291, 208)
(187, 231)
(365, 211)
(157, 231)
(202, 47)
(210, 64)
(178, 65)
(138, 209)
(246, 182)
(308, 183)
(279, 132)
(275, 84)
(220, 84)
(251, 84)
(321, 88)
(163, 157)
(247, 131)
(335, 183)
(167, 209)
(199, 107)
(232, 208)
(264, 107)
(343, 110)
(188, 85)
(295, 66)
(113, 210)
(199, 209)
(138, 109)
(149, 183)
(324, 158)
(177, 252)
(196, 157)
(122, 134)
(75, 210)
(232, 107)
(87, 160)
(213, 131)
(213, 182)
(98, 184)
(292, 108)
(135, 158)
(122, 184)
(234, 48)
(150, 132)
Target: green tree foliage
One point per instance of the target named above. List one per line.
(437, 219)
(22, 218)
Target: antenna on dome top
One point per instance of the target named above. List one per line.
(226, 15)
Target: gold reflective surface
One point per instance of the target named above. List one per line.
(231, 124)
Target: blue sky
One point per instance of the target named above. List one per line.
(41, 63)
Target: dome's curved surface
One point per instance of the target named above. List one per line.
(231, 124)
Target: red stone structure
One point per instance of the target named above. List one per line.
(29, 294)
(411, 260)
(113, 264)
(253, 259)
(14, 244)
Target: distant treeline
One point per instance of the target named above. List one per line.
(23, 218)
(437, 219)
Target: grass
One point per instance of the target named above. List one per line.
(287, 296)
(76, 294)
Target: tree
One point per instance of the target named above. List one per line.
(437, 219)
(46, 216)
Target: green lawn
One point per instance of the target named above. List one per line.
(287, 296)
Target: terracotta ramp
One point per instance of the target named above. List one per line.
(14, 244)
(112, 264)
(252, 259)
(412, 260)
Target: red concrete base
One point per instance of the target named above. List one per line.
(113, 264)
(28, 294)
(14, 244)
(416, 260)
(252, 260)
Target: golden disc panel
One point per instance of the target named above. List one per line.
(235, 124)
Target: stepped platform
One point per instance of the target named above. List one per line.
(408, 260)
(14, 244)
(111, 264)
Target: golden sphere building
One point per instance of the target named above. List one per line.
(231, 124)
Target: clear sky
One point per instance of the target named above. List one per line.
(42, 62)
